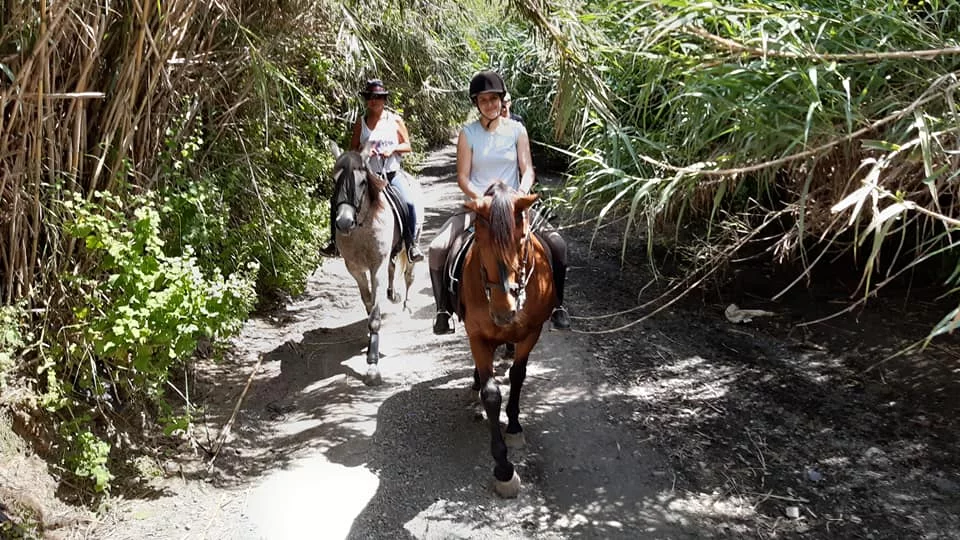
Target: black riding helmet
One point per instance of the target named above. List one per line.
(487, 82)
(374, 87)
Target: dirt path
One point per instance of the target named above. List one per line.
(685, 426)
(316, 454)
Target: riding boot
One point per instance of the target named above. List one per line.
(413, 242)
(330, 250)
(413, 248)
(443, 324)
(560, 318)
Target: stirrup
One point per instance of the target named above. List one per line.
(415, 254)
(443, 324)
(560, 318)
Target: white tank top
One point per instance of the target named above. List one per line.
(384, 134)
(494, 154)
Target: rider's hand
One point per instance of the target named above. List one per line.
(384, 150)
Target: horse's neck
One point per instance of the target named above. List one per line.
(375, 204)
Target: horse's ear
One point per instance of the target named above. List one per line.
(334, 149)
(525, 201)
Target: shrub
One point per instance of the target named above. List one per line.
(138, 314)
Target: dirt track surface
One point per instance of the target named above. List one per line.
(316, 454)
(683, 427)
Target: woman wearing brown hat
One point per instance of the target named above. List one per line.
(384, 132)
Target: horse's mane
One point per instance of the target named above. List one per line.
(503, 224)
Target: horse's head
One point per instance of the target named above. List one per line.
(502, 241)
(356, 189)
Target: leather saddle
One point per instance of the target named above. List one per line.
(453, 269)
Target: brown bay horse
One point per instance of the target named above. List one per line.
(506, 295)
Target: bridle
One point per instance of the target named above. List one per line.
(516, 289)
(346, 189)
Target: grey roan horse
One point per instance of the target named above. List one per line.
(370, 241)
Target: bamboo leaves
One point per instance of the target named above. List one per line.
(829, 107)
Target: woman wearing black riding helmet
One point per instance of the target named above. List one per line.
(491, 149)
(386, 134)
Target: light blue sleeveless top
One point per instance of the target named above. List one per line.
(494, 154)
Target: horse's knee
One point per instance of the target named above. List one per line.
(491, 397)
(373, 323)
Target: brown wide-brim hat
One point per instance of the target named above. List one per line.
(374, 87)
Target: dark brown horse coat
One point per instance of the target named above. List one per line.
(507, 295)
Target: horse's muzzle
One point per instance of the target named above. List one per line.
(346, 220)
(503, 318)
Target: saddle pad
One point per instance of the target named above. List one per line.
(399, 210)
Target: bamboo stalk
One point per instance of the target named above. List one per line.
(60, 95)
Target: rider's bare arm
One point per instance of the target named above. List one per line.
(525, 161)
(404, 137)
(464, 157)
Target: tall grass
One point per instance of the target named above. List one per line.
(842, 117)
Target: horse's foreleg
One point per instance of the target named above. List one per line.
(378, 294)
(518, 372)
(363, 283)
(506, 481)
(379, 283)
(373, 378)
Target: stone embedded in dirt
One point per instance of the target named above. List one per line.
(813, 475)
(793, 512)
(946, 486)
(876, 456)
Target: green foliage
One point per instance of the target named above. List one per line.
(138, 314)
(145, 310)
(263, 207)
(12, 339)
(87, 456)
(681, 115)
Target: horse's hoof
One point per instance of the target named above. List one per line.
(372, 378)
(509, 489)
(514, 440)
